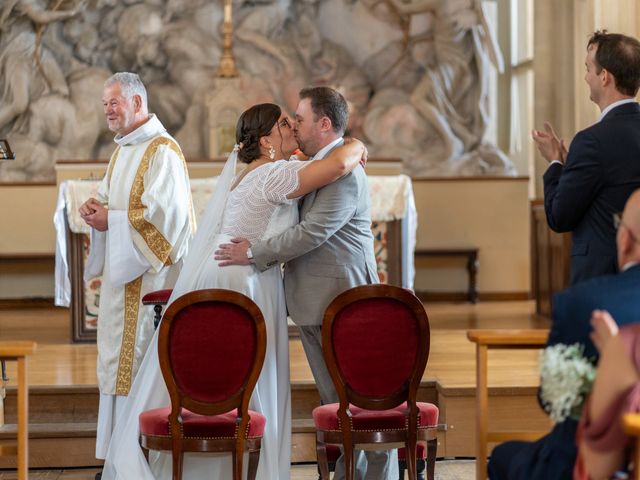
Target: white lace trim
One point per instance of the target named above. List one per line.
(253, 202)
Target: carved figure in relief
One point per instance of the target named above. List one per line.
(27, 68)
(329, 63)
(451, 97)
(58, 127)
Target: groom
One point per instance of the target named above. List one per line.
(328, 252)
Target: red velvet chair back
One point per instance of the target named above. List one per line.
(376, 344)
(211, 346)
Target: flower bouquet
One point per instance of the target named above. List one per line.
(566, 377)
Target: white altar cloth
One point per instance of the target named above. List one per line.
(391, 199)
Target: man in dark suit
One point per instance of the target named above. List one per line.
(586, 185)
(552, 457)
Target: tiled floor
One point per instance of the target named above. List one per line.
(75, 474)
(445, 470)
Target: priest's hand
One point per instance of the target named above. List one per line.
(234, 253)
(95, 214)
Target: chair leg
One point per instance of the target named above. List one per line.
(254, 459)
(349, 466)
(145, 452)
(323, 462)
(432, 450)
(237, 472)
(177, 464)
(238, 459)
(410, 456)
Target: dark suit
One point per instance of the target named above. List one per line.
(552, 457)
(601, 172)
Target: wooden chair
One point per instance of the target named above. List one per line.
(497, 339)
(19, 352)
(158, 299)
(376, 346)
(211, 347)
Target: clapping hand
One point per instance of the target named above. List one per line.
(604, 328)
(95, 214)
(549, 145)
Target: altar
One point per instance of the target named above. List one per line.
(394, 225)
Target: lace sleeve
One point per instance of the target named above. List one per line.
(281, 180)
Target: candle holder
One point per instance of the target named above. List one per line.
(227, 67)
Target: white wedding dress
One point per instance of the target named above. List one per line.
(256, 209)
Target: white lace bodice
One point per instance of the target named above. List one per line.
(258, 207)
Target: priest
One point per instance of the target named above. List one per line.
(141, 222)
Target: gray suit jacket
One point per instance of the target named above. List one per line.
(328, 252)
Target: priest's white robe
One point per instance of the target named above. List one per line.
(151, 221)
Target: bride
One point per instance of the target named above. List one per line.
(258, 203)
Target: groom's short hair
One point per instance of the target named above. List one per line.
(327, 102)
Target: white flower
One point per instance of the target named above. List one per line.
(566, 377)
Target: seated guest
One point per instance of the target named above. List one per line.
(553, 456)
(602, 445)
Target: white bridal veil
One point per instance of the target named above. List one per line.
(202, 246)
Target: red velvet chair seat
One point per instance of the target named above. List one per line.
(326, 417)
(159, 297)
(156, 422)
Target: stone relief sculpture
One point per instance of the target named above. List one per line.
(44, 109)
(440, 124)
(28, 68)
(413, 71)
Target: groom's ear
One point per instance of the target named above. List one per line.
(325, 124)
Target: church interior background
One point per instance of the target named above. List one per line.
(422, 79)
(449, 89)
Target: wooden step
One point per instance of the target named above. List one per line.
(72, 412)
(510, 408)
(303, 425)
(56, 404)
(50, 430)
(303, 440)
(54, 445)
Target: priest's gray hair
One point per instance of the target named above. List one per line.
(130, 84)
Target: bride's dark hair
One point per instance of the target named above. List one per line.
(254, 123)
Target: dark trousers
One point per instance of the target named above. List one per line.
(549, 458)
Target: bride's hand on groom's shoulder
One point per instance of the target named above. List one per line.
(365, 153)
(365, 157)
(234, 253)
